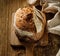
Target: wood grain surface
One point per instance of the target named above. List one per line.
(7, 7)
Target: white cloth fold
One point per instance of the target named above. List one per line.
(58, 54)
(54, 23)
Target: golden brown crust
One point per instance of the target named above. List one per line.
(24, 22)
(24, 19)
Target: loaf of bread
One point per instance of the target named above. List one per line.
(24, 19)
(30, 22)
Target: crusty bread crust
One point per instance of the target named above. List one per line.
(25, 22)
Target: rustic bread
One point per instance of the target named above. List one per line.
(30, 22)
(24, 19)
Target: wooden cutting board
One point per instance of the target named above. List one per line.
(15, 41)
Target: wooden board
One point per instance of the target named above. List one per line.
(13, 38)
(15, 41)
